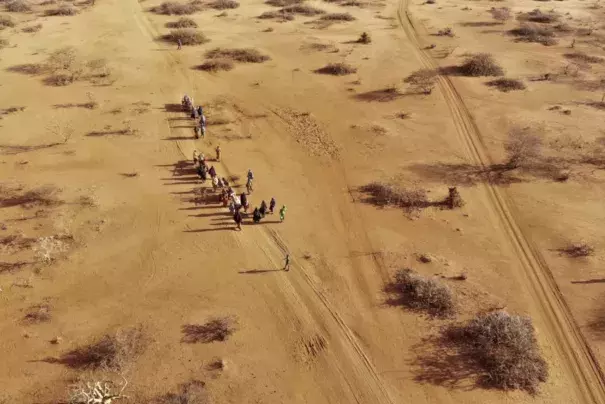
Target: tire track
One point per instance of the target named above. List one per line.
(571, 345)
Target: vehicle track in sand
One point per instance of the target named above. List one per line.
(573, 350)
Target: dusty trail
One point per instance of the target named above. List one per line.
(580, 362)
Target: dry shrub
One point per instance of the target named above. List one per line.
(216, 329)
(223, 4)
(49, 249)
(3, 43)
(578, 250)
(62, 59)
(535, 33)
(62, 10)
(215, 65)
(193, 392)
(505, 347)
(6, 22)
(381, 194)
(418, 292)
(302, 9)
(182, 22)
(453, 200)
(176, 8)
(283, 3)
(481, 64)
(506, 85)
(337, 69)
(445, 32)
(18, 6)
(364, 38)
(39, 313)
(422, 81)
(112, 351)
(583, 57)
(538, 16)
(522, 146)
(41, 196)
(337, 17)
(242, 55)
(563, 27)
(187, 36)
(501, 14)
(59, 79)
(32, 28)
(279, 15)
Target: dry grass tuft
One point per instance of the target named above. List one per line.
(539, 16)
(535, 33)
(302, 9)
(176, 8)
(412, 200)
(216, 65)
(481, 64)
(113, 351)
(578, 250)
(337, 69)
(583, 57)
(501, 14)
(283, 3)
(62, 10)
(505, 85)
(187, 36)
(506, 349)
(279, 15)
(418, 292)
(337, 17)
(3, 43)
(32, 28)
(182, 22)
(216, 329)
(6, 22)
(223, 4)
(18, 6)
(39, 313)
(445, 32)
(422, 81)
(242, 55)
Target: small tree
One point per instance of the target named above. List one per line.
(501, 14)
(521, 146)
(422, 81)
(364, 38)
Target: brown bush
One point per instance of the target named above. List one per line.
(522, 146)
(6, 22)
(538, 16)
(303, 9)
(18, 6)
(283, 3)
(112, 351)
(32, 28)
(481, 64)
(364, 38)
(279, 15)
(583, 57)
(454, 199)
(223, 4)
(187, 36)
(41, 196)
(501, 14)
(445, 32)
(242, 55)
(215, 65)
(563, 27)
(216, 329)
(39, 313)
(62, 10)
(422, 293)
(337, 69)
(62, 59)
(422, 81)
(337, 17)
(578, 250)
(182, 22)
(193, 392)
(60, 79)
(505, 85)
(505, 347)
(410, 199)
(535, 33)
(176, 8)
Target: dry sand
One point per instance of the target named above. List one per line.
(141, 249)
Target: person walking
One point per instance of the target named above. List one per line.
(282, 213)
(256, 216)
(272, 204)
(218, 153)
(249, 186)
(237, 218)
(179, 44)
(250, 176)
(195, 156)
(287, 265)
(200, 110)
(212, 172)
(214, 183)
(263, 208)
(244, 198)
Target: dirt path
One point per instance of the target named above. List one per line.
(580, 363)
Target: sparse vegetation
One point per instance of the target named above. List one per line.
(223, 4)
(18, 6)
(3, 43)
(583, 57)
(279, 15)
(535, 33)
(176, 8)
(418, 292)
(364, 38)
(445, 32)
(112, 351)
(187, 36)
(522, 146)
(17, 196)
(506, 85)
(283, 3)
(381, 194)
(454, 199)
(193, 392)
(422, 81)
(216, 65)
(337, 17)
(39, 313)
(241, 55)
(6, 22)
(302, 9)
(49, 249)
(62, 10)
(182, 22)
(578, 250)
(500, 14)
(504, 346)
(216, 329)
(538, 16)
(337, 69)
(481, 64)
(32, 28)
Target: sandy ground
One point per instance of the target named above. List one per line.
(143, 250)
